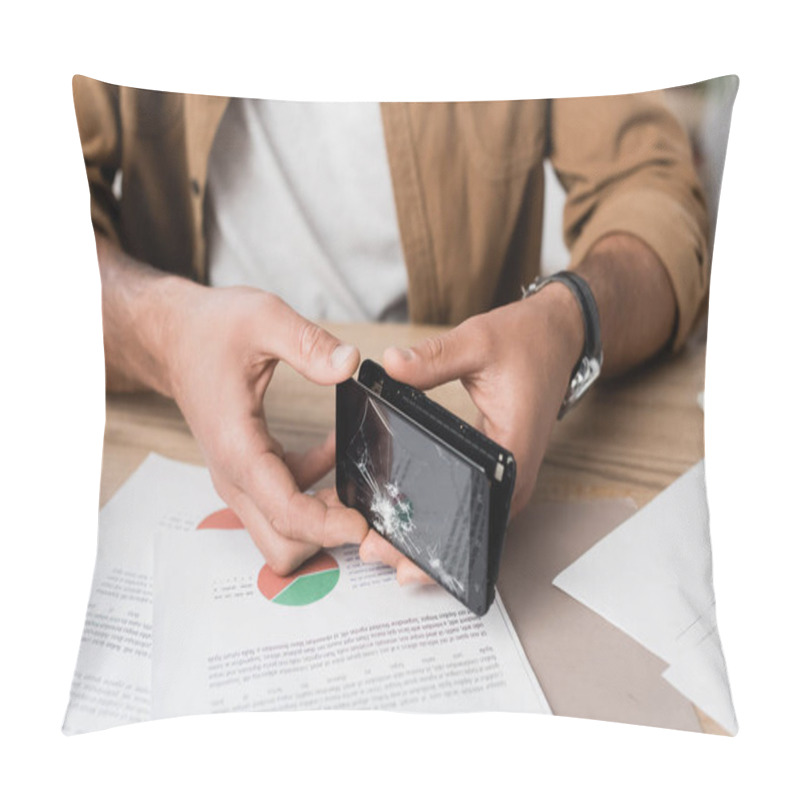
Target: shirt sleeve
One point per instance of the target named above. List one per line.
(626, 165)
(97, 112)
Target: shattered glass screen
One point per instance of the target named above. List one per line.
(429, 501)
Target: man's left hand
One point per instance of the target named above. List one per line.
(515, 362)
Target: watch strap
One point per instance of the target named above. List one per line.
(587, 368)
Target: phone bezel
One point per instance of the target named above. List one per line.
(463, 437)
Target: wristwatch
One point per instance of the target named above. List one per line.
(587, 370)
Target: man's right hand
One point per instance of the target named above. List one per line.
(221, 347)
(214, 351)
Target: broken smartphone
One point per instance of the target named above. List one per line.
(429, 483)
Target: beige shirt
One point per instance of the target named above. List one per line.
(467, 181)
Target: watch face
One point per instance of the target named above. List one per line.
(586, 373)
(532, 288)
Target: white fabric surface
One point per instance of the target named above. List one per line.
(300, 203)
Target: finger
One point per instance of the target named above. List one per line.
(314, 464)
(377, 549)
(307, 348)
(455, 354)
(282, 555)
(374, 547)
(295, 515)
(409, 573)
(329, 496)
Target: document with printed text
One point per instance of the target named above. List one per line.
(185, 617)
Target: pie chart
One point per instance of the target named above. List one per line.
(307, 584)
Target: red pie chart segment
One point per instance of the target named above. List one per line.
(222, 520)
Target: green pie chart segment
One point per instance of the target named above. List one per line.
(308, 589)
(311, 582)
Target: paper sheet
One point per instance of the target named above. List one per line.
(349, 637)
(162, 504)
(651, 578)
(112, 680)
(111, 685)
(586, 666)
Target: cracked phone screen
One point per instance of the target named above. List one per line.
(429, 501)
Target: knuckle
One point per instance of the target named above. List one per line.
(434, 348)
(291, 513)
(277, 520)
(263, 309)
(270, 302)
(325, 532)
(285, 520)
(254, 308)
(310, 339)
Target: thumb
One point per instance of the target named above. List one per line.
(456, 354)
(308, 348)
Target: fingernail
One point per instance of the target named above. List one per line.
(341, 355)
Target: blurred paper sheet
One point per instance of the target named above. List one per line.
(651, 578)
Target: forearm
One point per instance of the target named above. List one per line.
(137, 303)
(634, 297)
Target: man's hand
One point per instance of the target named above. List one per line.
(221, 347)
(515, 362)
(220, 388)
(214, 351)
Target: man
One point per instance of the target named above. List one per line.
(217, 192)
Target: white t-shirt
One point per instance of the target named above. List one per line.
(300, 203)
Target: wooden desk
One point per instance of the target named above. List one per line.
(629, 438)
